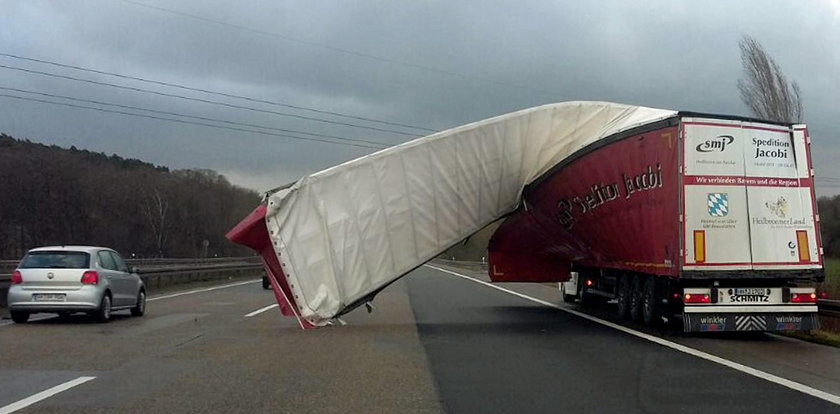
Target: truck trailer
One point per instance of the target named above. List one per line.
(673, 216)
(707, 219)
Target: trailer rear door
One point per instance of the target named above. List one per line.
(716, 229)
(747, 197)
(781, 201)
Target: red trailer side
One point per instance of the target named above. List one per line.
(574, 213)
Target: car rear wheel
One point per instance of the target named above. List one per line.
(20, 317)
(266, 283)
(140, 308)
(104, 313)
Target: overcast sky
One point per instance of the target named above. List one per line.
(432, 64)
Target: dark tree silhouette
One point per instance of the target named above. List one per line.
(764, 88)
(52, 195)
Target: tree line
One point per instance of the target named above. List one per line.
(829, 210)
(52, 196)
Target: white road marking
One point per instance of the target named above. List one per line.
(43, 395)
(190, 292)
(261, 310)
(664, 342)
(35, 319)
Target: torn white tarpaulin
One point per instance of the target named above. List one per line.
(349, 230)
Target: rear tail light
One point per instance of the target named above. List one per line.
(803, 297)
(588, 282)
(697, 298)
(17, 278)
(90, 278)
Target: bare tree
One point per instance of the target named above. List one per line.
(765, 89)
(155, 208)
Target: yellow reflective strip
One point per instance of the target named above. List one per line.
(804, 250)
(699, 246)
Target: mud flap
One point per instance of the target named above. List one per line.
(700, 322)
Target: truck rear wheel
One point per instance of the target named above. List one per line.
(636, 299)
(622, 296)
(650, 305)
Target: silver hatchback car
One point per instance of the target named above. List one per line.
(69, 279)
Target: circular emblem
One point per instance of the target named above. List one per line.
(50, 275)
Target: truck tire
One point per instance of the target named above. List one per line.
(622, 296)
(650, 303)
(636, 299)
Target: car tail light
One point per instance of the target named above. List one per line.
(588, 282)
(803, 297)
(17, 278)
(697, 298)
(90, 278)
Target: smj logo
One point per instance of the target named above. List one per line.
(778, 208)
(717, 144)
(718, 204)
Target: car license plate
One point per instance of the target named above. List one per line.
(49, 297)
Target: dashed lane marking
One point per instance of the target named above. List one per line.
(43, 395)
(260, 310)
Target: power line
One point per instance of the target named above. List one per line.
(137, 108)
(186, 122)
(329, 47)
(228, 95)
(206, 101)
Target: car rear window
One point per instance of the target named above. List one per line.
(55, 260)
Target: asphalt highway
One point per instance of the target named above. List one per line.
(435, 342)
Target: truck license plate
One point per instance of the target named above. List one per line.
(49, 297)
(752, 291)
(749, 295)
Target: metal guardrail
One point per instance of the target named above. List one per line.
(829, 307)
(161, 272)
(152, 269)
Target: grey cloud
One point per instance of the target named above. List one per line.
(509, 55)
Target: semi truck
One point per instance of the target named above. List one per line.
(673, 216)
(705, 219)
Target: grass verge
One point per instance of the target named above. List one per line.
(821, 337)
